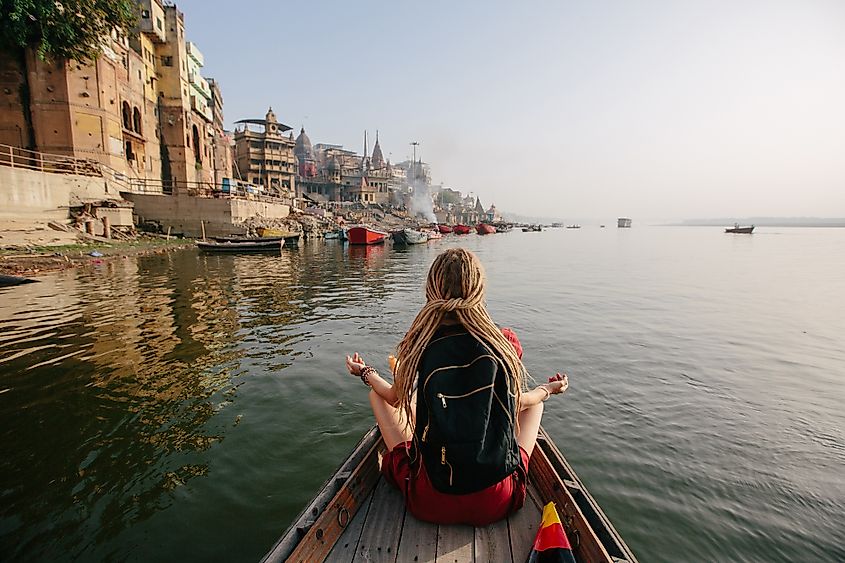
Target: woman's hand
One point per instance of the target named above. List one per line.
(355, 364)
(557, 384)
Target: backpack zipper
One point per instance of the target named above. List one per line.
(444, 462)
(443, 397)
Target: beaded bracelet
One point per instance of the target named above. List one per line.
(366, 372)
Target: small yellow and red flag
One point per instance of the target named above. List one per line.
(551, 544)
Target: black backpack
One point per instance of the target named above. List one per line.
(466, 418)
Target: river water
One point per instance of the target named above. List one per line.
(187, 406)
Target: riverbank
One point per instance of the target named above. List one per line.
(29, 261)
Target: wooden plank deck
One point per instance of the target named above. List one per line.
(383, 530)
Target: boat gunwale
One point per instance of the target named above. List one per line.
(566, 487)
(333, 486)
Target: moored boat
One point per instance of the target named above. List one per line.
(434, 235)
(254, 245)
(365, 235)
(357, 514)
(461, 229)
(444, 229)
(485, 229)
(7, 281)
(740, 230)
(409, 236)
(331, 235)
(573, 226)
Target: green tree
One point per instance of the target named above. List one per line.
(66, 29)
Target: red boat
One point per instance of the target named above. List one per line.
(365, 235)
(485, 229)
(444, 229)
(461, 229)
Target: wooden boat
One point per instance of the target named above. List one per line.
(247, 239)
(8, 281)
(357, 515)
(503, 228)
(740, 230)
(273, 245)
(291, 239)
(485, 229)
(409, 236)
(532, 229)
(573, 226)
(444, 229)
(266, 232)
(331, 235)
(434, 235)
(365, 235)
(461, 229)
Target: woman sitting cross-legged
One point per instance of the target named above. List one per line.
(458, 424)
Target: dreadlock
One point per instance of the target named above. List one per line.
(454, 288)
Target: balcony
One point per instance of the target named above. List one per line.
(194, 52)
(151, 20)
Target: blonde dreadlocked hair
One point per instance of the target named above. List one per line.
(455, 287)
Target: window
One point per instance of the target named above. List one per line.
(158, 24)
(127, 115)
(145, 14)
(136, 120)
(167, 61)
(197, 144)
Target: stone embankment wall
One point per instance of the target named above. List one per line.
(185, 214)
(41, 196)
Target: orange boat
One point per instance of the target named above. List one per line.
(365, 235)
(461, 229)
(485, 229)
(444, 229)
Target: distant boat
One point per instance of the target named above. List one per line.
(409, 236)
(461, 229)
(532, 229)
(331, 235)
(623, 222)
(444, 229)
(485, 229)
(557, 225)
(365, 235)
(740, 230)
(601, 226)
(573, 226)
(503, 228)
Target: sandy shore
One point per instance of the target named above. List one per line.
(29, 247)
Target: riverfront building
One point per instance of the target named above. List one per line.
(264, 155)
(142, 108)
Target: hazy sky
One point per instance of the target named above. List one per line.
(592, 109)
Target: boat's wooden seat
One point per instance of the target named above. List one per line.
(383, 530)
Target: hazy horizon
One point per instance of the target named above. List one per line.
(653, 109)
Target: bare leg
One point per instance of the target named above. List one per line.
(529, 426)
(391, 422)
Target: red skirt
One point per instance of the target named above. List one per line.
(426, 503)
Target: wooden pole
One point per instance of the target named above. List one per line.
(106, 227)
(202, 225)
(168, 232)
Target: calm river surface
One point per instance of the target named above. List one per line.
(186, 407)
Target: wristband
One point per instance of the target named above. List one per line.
(366, 372)
(548, 393)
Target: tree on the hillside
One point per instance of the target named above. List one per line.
(66, 29)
